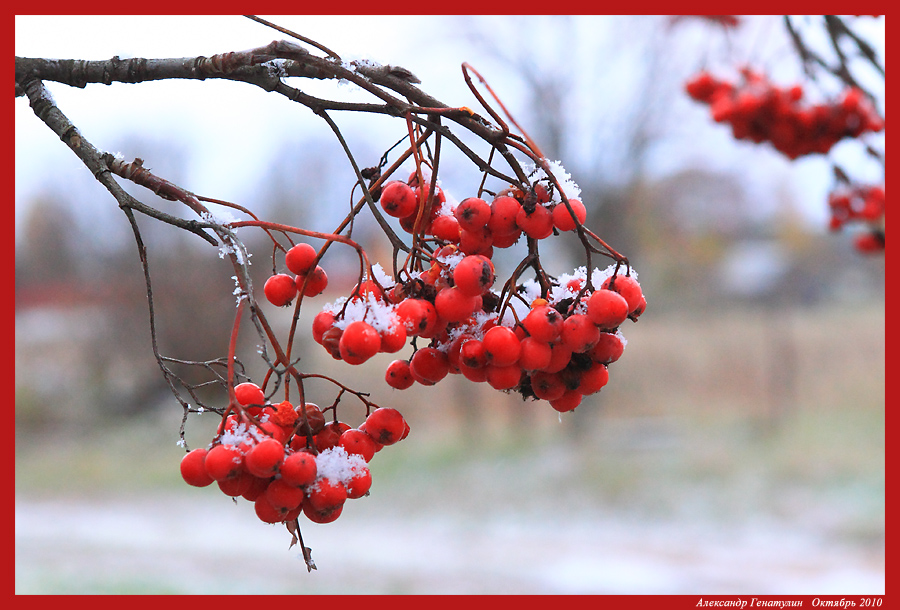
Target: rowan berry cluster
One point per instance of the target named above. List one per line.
(859, 204)
(287, 460)
(552, 341)
(760, 111)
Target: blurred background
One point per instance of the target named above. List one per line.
(738, 448)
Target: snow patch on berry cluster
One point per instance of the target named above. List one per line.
(380, 276)
(338, 466)
(569, 187)
(378, 314)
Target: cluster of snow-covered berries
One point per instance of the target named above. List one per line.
(859, 204)
(760, 111)
(288, 461)
(552, 342)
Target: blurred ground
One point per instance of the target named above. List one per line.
(700, 469)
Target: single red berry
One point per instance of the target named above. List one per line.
(579, 334)
(560, 356)
(471, 354)
(398, 199)
(535, 354)
(538, 224)
(593, 379)
(429, 365)
(472, 214)
(315, 285)
(322, 516)
(418, 316)
(608, 349)
(283, 496)
(547, 386)
(506, 240)
(568, 401)
(314, 417)
(543, 323)
(446, 228)
(280, 289)
(299, 469)
(248, 393)
(385, 425)
(359, 342)
(360, 483)
(224, 462)
(474, 275)
(300, 259)
(501, 346)
(192, 469)
(503, 215)
(325, 494)
(503, 377)
(265, 458)
(453, 305)
(393, 338)
(562, 218)
(321, 323)
(398, 375)
(477, 241)
(607, 309)
(357, 442)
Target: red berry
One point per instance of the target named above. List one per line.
(398, 199)
(471, 354)
(477, 241)
(249, 394)
(359, 342)
(418, 316)
(429, 365)
(504, 210)
(501, 346)
(453, 305)
(320, 324)
(607, 309)
(385, 425)
(265, 458)
(322, 516)
(360, 483)
(579, 334)
(538, 224)
(280, 289)
(474, 275)
(357, 442)
(562, 218)
(547, 386)
(593, 379)
(315, 285)
(446, 228)
(608, 349)
(535, 354)
(236, 486)
(398, 375)
(193, 470)
(224, 462)
(300, 259)
(393, 338)
(543, 323)
(472, 214)
(282, 496)
(325, 494)
(299, 469)
(503, 377)
(568, 401)
(257, 487)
